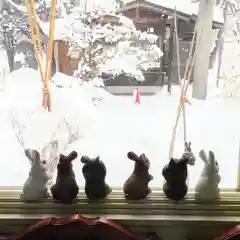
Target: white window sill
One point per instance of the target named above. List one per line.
(154, 211)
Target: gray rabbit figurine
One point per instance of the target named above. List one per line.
(207, 185)
(136, 186)
(175, 173)
(43, 166)
(94, 172)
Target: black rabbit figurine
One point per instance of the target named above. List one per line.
(136, 186)
(65, 189)
(175, 174)
(94, 172)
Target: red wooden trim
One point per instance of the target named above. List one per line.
(124, 233)
(229, 234)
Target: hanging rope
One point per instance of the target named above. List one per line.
(183, 87)
(48, 68)
(34, 35)
(33, 24)
(39, 45)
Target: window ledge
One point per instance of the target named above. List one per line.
(154, 211)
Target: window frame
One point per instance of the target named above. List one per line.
(156, 210)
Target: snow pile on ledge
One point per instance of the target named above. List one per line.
(118, 126)
(21, 100)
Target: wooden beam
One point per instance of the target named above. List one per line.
(148, 21)
(138, 10)
(48, 69)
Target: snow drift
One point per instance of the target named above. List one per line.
(114, 127)
(21, 102)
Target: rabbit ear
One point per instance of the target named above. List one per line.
(133, 156)
(97, 159)
(211, 156)
(213, 167)
(32, 155)
(203, 156)
(142, 156)
(73, 155)
(85, 159)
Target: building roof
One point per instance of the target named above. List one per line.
(59, 28)
(183, 7)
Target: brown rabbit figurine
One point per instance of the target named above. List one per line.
(65, 189)
(136, 186)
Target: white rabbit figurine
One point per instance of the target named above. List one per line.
(44, 165)
(207, 186)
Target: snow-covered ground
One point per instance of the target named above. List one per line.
(115, 126)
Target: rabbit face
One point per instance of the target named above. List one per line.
(94, 169)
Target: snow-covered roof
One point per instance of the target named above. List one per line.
(58, 30)
(183, 6)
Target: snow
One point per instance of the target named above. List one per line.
(21, 100)
(109, 48)
(58, 30)
(4, 67)
(113, 127)
(188, 7)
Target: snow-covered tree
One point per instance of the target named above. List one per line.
(230, 74)
(108, 43)
(12, 23)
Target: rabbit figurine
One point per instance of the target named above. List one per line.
(65, 189)
(94, 172)
(175, 174)
(43, 166)
(136, 186)
(207, 186)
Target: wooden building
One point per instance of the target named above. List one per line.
(158, 18)
(147, 15)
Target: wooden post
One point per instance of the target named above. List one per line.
(221, 47)
(203, 48)
(170, 57)
(137, 13)
(56, 55)
(48, 68)
(34, 34)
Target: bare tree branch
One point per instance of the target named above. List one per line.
(18, 128)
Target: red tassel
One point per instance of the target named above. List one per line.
(137, 99)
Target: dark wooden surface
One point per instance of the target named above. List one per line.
(78, 227)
